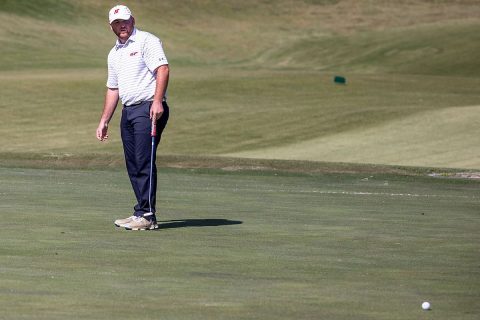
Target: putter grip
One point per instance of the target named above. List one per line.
(153, 133)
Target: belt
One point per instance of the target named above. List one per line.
(139, 103)
(134, 104)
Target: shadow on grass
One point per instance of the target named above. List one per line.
(171, 224)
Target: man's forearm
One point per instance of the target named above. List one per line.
(111, 100)
(163, 73)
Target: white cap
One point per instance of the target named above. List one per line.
(119, 13)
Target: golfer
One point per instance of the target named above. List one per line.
(137, 75)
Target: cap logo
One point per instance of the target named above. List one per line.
(116, 11)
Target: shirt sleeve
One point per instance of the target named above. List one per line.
(112, 80)
(153, 53)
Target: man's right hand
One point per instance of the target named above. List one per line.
(102, 131)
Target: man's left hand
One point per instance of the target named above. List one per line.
(156, 110)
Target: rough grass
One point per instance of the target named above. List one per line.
(211, 114)
(438, 49)
(253, 32)
(261, 82)
(58, 10)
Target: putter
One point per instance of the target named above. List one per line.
(153, 133)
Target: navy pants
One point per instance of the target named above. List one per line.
(135, 127)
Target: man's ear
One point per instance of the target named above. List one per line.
(133, 21)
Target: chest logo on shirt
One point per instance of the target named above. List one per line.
(133, 53)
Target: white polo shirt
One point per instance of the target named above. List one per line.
(131, 67)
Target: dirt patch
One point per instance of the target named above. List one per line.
(458, 175)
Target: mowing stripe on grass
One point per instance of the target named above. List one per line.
(363, 193)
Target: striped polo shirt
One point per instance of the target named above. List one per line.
(131, 67)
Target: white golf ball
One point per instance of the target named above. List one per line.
(426, 305)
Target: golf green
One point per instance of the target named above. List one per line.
(239, 245)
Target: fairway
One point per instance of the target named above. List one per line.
(443, 138)
(239, 245)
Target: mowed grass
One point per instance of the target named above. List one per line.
(389, 119)
(239, 245)
(441, 138)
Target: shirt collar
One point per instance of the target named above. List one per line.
(132, 38)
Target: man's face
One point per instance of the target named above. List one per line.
(123, 28)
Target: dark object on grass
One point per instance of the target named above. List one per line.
(340, 80)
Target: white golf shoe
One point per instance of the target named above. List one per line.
(123, 222)
(140, 223)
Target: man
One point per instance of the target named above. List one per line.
(137, 75)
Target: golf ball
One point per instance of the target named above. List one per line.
(426, 305)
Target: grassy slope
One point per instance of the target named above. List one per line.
(261, 81)
(408, 141)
